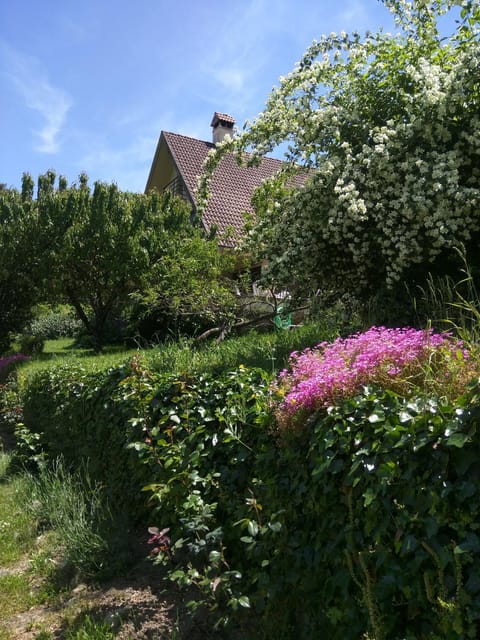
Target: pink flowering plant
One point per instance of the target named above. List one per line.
(404, 360)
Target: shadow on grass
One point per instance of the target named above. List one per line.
(63, 347)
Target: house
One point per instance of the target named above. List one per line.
(177, 165)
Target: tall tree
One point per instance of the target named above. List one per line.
(389, 126)
(103, 248)
(18, 274)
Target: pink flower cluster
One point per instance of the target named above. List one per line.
(318, 377)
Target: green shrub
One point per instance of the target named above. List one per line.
(103, 419)
(360, 523)
(83, 416)
(366, 523)
(378, 528)
(56, 324)
(204, 433)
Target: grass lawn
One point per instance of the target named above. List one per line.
(64, 351)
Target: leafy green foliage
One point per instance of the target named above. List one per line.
(113, 256)
(363, 523)
(190, 289)
(376, 511)
(19, 277)
(82, 415)
(106, 244)
(375, 479)
(55, 323)
(200, 434)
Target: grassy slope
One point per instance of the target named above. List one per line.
(268, 351)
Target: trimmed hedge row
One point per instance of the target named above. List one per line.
(85, 417)
(363, 524)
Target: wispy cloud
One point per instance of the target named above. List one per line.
(355, 16)
(126, 164)
(237, 53)
(123, 151)
(30, 80)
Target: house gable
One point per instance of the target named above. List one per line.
(164, 173)
(181, 158)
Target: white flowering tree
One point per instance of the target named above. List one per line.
(389, 126)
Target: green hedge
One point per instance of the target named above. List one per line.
(377, 515)
(85, 417)
(364, 524)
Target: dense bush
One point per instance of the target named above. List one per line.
(362, 522)
(369, 522)
(83, 415)
(56, 324)
(91, 418)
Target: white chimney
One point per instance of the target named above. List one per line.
(222, 125)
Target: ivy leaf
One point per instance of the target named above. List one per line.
(404, 416)
(244, 601)
(252, 528)
(457, 440)
(369, 496)
(470, 544)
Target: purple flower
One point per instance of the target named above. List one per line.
(8, 360)
(318, 377)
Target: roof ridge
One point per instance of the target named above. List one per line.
(213, 146)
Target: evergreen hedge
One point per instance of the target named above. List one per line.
(363, 523)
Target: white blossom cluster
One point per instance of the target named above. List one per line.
(389, 127)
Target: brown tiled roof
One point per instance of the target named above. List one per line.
(232, 185)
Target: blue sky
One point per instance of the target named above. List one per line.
(88, 86)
